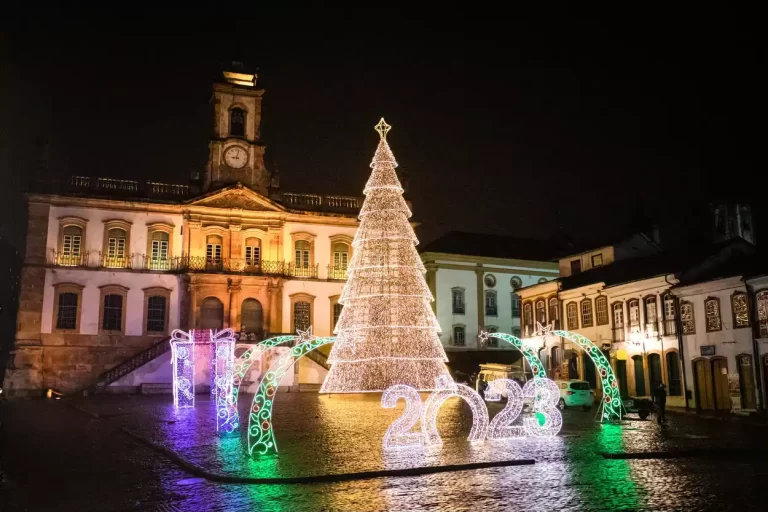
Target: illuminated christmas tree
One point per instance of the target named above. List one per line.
(387, 333)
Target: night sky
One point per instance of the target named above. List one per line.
(505, 125)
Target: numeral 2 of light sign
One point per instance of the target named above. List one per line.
(399, 433)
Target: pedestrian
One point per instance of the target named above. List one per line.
(660, 399)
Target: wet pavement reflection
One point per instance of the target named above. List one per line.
(55, 456)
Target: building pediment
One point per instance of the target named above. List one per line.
(237, 196)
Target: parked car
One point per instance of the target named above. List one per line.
(642, 406)
(575, 393)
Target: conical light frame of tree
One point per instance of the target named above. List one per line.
(387, 333)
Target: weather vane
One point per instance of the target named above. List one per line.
(383, 128)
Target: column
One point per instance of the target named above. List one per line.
(234, 305)
(660, 329)
(275, 248)
(192, 320)
(236, 256)
(275, 311)
(196, 241)
(626, 321)
(480, 298)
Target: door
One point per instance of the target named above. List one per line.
(211, 314)
(639, 376)
(654, 371)
(720, 383)
(252, 316)
(746, 382)
(704, 394)
(621, 374)
(589, 371)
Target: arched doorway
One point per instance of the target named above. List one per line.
(252, 317)
(639, 375)
(711, 381)
(211, 314)
(654, 371)
(746, 381)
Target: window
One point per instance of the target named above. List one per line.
(712, 314)
(336, 313)
(586, 313)
(555, 359)
(492, 342)
(72, 239)
(252, 251)
(112, 308)
(601, 310)
(618, 322)
(301, 316)
(302, 253)
(597, 260)
(575, 266)
(458, 335)
(213, 249)
(156, 306)
(515, 305)
(159, 246)
(211, 313)
(490, 280)
(528, 317)
(761, 299)
(541, 312)
(340, 255)
(458, 301)
(490, 303)
(740, 310)
(670, 327)
(237, 122)
(66, 317)
(116, 243)
(554, 312)
(651, 317)
(573, 315)
(634, 315)
(516, 282)
(112, 318)
(159, 238)
(687, 318)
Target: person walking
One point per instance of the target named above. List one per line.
(660, 399)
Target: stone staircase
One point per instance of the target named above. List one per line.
(319, 358)
(137, 361)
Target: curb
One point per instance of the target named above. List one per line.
(682, 454)
(199, 471)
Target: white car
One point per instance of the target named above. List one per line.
(575, 393)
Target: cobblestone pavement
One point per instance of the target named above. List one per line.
(56, 456)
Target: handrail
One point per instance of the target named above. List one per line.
(137, 361)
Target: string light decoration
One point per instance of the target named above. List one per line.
(399, 434)
(501, 425)
(545, 419)
(223, 343)
(537, 369)
(446, 389)
(387, 332)
(261, 435)
(611, 404)
(183, 361)
(244, 362)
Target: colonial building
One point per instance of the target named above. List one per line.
(113, 266)
(474, 279)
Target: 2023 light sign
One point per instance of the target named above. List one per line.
(542, 419)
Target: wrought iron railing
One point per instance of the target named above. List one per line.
(69, 260)
(137, 361)
(458, 309)
(309, 272)
(319, 358)
(491, 311)
(107, 261)
(337, 272)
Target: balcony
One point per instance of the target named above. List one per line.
(338, 273)
(107, 261)
(458, 309)
(318, 202)
(491, 311)
(309, 272)
(60, 259)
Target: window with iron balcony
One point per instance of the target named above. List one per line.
(458, 301)
(491, 308)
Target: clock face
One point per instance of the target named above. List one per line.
(236, 157)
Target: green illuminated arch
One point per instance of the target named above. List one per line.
(611, 403)
(261, 435)
(530, 356)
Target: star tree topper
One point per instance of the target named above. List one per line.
(383, 128)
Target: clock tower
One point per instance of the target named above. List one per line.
(236, 153)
